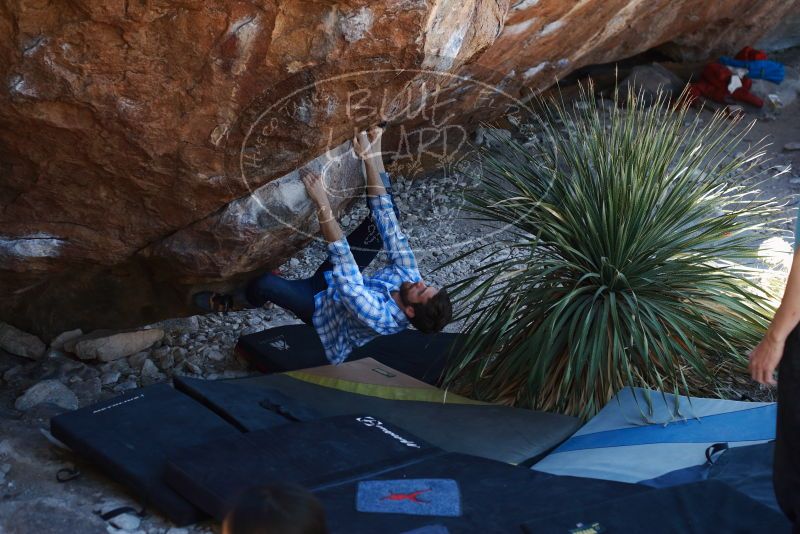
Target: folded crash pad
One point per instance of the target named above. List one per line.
(498, 432)
(368, 373)
(494, 497)
(370, 377)
(128, 438)
(642, 435)
(700, 507)
(315, 454)
(292, 347)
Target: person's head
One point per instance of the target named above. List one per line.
(427, 308)
(276, 509)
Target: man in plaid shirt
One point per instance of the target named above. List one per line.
(346, 308)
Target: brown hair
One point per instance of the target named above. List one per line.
(434, 314)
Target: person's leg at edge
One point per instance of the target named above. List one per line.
(786, 470)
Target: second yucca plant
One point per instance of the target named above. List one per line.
(630, 259)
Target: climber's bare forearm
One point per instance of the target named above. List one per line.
(374, 167)
(327, 224)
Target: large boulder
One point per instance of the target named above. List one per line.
(149, 148)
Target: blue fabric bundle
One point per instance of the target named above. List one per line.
(420, 496)
(772, 71)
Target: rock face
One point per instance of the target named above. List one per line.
(148, 148)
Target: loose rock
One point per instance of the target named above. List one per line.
(87, 391)
(150, 373)
(126, 522)
(117, 346)
(126, 386)
(21, 343)
(51, 391)
(215, 355)
(62, 338)
(111, 377)
(137, 360)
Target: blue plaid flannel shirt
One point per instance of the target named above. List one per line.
(354, 308)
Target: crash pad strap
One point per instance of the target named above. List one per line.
(383, 392)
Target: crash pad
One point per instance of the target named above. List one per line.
(292, 347)
(494, 497)
(315, 454)
(698, 508)
(491, 431)
(128, 438)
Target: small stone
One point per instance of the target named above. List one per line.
(294, 263)
(791, 146)
(177, 530)
(137, 360)
(125, 386)
(119, 365)
(59, 341)
(20, 343)
(116, 346)
(150, 373)
(51, 391)
(126, 521)
(179, 354)
(192, 368)
(215, 355)
(166, 362)
(111, 377)
(87, 391)
(160, 352)
(163, 357)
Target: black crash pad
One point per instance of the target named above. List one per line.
(495, 497)
(497, 432)
(128, 438)
(293, 347)
(315, 454)
(698, 508)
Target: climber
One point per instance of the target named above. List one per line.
(346, 308)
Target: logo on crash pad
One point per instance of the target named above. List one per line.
(371, 422)
(581, 528)
(279, 343)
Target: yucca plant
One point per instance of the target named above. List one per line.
(629, 261)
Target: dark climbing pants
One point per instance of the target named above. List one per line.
(297, 296)
(786, 470)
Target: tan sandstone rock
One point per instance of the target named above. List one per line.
(107, 348)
